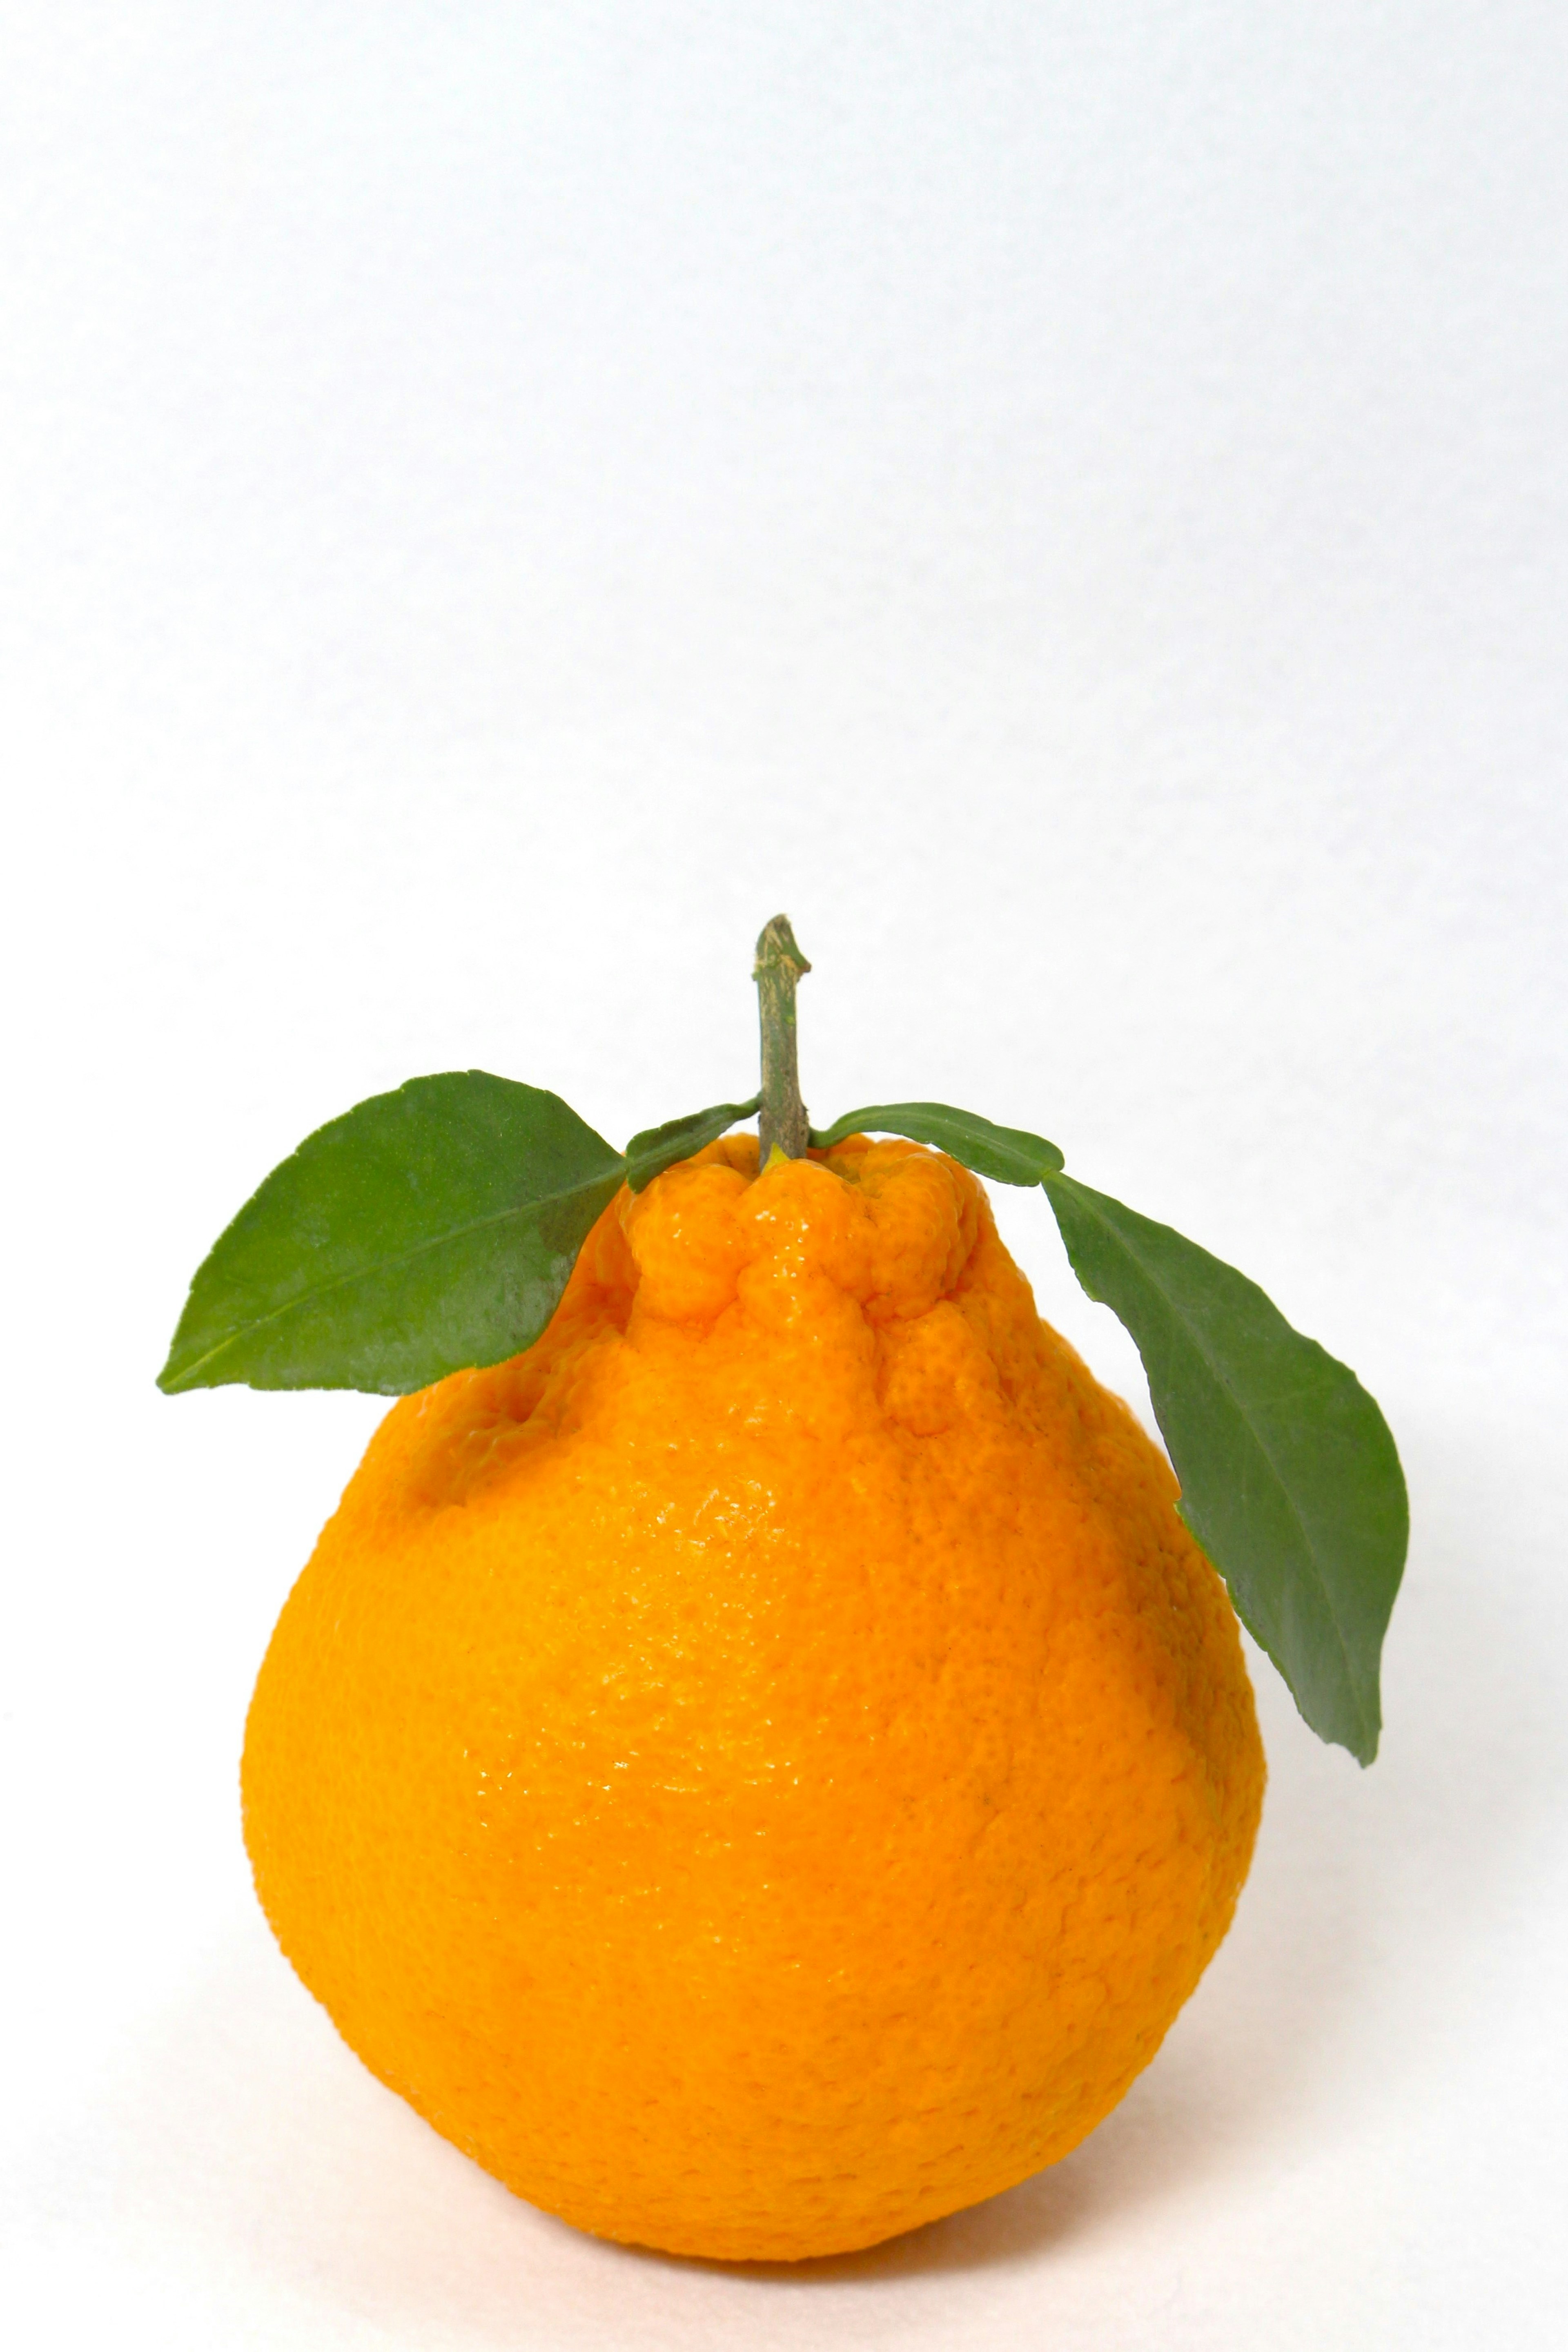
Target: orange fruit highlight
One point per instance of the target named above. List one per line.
(764, 1768)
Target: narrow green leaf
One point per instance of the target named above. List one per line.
(1009, 1155)
(658, 1148)
(1289, 1473)
(423, 1231)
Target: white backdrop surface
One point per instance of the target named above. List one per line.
(1071, 502)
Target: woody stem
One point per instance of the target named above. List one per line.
(779, 965)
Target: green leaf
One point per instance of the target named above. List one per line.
(1289, 1473)
(425, 1230)
(658, 1148)
(1009, 1155)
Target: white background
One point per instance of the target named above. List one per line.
(1071, 502)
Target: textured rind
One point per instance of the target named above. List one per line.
(765, 1768)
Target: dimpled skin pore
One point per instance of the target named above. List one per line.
(764, 1768)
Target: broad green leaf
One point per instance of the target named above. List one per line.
(1289, 1477)
(1009, 1155)
(658, 1148)
(423, 1231)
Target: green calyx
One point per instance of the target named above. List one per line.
(434, 1228)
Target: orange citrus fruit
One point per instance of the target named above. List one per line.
(764, 1768)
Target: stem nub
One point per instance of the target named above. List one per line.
(783, 1124)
